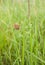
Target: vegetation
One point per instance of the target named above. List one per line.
(24, 45)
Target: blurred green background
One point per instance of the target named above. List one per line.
(25, 46)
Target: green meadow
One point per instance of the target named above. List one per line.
(26, 45)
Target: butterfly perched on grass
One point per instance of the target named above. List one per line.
(16, 26)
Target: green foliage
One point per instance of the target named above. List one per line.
(25, 46)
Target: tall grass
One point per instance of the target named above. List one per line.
(25, 46)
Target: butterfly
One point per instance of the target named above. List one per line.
(16, 26)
